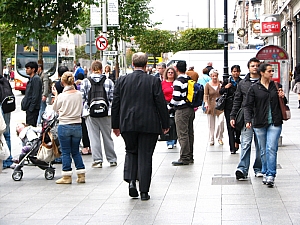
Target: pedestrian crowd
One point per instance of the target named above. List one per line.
(144, 107)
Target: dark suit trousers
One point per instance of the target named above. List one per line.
(31, 117)
(138, 159)
(233, 134)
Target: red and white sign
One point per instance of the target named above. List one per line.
(101, 43)
(270, 27)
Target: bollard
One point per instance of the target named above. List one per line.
(280, 141)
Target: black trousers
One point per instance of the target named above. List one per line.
(138, 158)
(85, 136)
(233, 134)
(31, 117)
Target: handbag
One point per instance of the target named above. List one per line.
(4, 150)
(285, 110)
(172, 134)
(45, 152)
(220, 102)
(239, 120)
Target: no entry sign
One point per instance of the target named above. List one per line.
(101, 43)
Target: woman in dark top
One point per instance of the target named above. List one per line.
(229, 87)
(297, 81)
(263, 108)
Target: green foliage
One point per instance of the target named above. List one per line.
(198, 39)
(155, 42)
(7, 41)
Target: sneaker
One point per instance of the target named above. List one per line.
(113, 164)
(97, 164)
(174, 145)
(264, 180)
(258, 174)
(239, 175)
(270, 181)
(170, 146)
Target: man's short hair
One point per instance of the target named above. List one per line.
(162, 65)
(61, 70)
(32, 65)
(139, 59)
(181, 66)
(78, 64)
(252, 60)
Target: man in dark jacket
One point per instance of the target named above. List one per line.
(140, 114)
(247, 134)
(32, 100)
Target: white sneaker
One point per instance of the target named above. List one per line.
(170, 146)
(174, 145)
(97, 164)
(259, 174)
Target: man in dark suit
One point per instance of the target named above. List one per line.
(140, 114)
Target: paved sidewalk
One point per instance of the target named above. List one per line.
(205, 192)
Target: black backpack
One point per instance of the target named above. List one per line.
(97, 98)
(7, 98)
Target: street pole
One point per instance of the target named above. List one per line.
(104, 28)
(225, 71)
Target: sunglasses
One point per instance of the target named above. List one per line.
(171, 72)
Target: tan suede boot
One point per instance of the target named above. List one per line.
(66, 178)
(81, 176)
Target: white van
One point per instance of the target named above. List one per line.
(200, 58)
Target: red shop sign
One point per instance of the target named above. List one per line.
(270, 27)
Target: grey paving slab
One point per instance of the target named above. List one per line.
(205, 192)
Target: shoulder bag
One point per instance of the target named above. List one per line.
(285, 110)
(220, 102)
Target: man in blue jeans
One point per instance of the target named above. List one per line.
(246, 134)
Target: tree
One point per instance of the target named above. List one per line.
(198, 39)
(155, 42)
(43, 20)
(134, 18)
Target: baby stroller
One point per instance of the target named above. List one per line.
(49, 124)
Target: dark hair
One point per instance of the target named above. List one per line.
(32, 65)
(78, 64)
(205, 71)
(237, 67)
(61, 70)
(80, 76)
(181, 66)
(297, 68)
(263, 67)
(41, 65)
(252, 60)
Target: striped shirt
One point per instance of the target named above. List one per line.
(180, 92)
(85, 87)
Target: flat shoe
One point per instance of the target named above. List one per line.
(132, 189)
(145, 196)
(220, 142)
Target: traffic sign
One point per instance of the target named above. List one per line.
(101, 43)
(109, 53)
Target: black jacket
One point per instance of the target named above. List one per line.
(240, 95)
(139, 104)
(258, 101)
(229, 91)
(33, 94)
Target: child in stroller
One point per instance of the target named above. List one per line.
(28, 135)
(32, 138)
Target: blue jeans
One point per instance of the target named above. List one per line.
(246, 141)
(268, 144)
(42, 110)
(8, 162)
(171, 142)
(69, 136)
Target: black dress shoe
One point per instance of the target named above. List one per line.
(145, 196)
(179, 163)
(132, 189)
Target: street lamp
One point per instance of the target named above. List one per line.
(188, 19)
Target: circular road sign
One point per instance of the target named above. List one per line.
(101, 43)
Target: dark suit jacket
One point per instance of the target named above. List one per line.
(139, 104)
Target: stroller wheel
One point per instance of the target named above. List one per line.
(49, 173)
(17, 175)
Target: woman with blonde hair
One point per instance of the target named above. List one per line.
(211, 93)
(68, 105)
